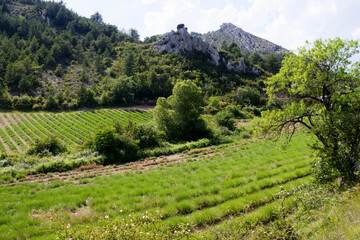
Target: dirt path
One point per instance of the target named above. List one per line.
(140, 108)
(93, 170)
(5, 120)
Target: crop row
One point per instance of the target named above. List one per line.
(20, 130)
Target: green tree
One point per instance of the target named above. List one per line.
(179, 116)
(96, 17)
(134, 35)
(86, 97)
(122, 91)
(130, 64)
(320, 90)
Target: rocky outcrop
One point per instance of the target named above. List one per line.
(247, 42)
(241, 67)
(181, 41)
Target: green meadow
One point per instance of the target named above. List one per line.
(243, 179)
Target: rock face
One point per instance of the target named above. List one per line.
(241, 67)
(181, 42)
(247, 42)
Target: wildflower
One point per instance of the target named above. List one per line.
(121, 210)
(129, 215)
(68, 226)
(115, 227)
(126, 225)
(106, 217)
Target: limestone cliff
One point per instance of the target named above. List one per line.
(247, 42)
(181, 41)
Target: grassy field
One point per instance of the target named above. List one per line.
(18, 130)
(242, 179)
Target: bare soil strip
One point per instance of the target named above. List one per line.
(93, 170)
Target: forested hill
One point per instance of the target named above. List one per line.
(51, 58)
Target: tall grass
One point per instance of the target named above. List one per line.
(202, 191)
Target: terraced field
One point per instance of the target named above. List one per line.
(18, 130)
(203, 188)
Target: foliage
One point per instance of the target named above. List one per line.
(86, 97)
(179, 116)
(319, 89)
(50, 145)
(116, 146)
(121, 143)
(247, 96)
(122, 91)
(225, 118)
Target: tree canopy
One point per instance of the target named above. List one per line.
(179, 116)
(319, 89)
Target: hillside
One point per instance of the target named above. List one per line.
(54, 59)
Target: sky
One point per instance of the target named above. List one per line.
(289, 23)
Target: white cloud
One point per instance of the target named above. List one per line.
(146, 2)
(285, 22)
(172, 13)
(356, 34)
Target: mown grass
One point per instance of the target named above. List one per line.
(199, 192)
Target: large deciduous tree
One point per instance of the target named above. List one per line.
(179, 116)
(319, 89)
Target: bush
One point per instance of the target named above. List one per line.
(248, 96)
(121, 144)
(24, 102)
(226, 119)
(47, 146)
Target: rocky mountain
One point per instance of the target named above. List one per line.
(181, 41)
(247, 42)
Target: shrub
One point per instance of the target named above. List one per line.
(226, 119)
(235, 111)
(248, 96)
(47, 146)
